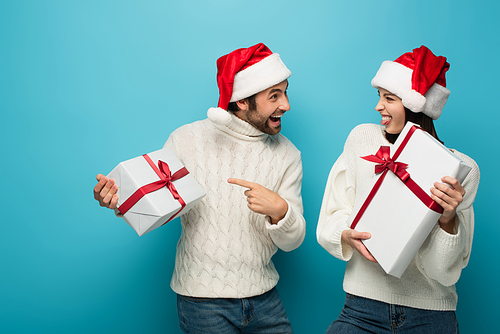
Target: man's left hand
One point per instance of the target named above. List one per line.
(262, 200)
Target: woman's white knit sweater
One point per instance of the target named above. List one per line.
(429, 281)
(225, 249)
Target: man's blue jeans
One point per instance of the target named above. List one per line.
(362, 315)
(259, 314)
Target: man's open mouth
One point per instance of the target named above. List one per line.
(275, 118)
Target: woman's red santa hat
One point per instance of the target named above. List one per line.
(418, 78)
(243, 73)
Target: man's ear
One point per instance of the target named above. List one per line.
(242, 104)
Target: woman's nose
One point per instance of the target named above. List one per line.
(380, 106)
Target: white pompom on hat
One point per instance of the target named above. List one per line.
(418, 79)
(243, 73)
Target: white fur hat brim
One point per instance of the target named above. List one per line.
(397, 79)
(266, 73)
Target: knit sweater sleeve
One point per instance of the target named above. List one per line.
(289, 232)
(338, 202)
(171, 143)
(443, 256)
(181, 148)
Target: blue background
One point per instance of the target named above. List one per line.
(85, 85)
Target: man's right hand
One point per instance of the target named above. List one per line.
(105, 192)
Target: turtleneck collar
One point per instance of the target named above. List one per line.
(391, 137)
(240, 127)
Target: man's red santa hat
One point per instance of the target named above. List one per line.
(243, 73)
(418, 79)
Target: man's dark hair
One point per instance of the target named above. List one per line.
(251, 104)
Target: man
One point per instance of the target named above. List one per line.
(224, 276)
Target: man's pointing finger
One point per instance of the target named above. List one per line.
(242, 183)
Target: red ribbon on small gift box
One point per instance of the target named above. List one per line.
(166, 179)
(386, 164)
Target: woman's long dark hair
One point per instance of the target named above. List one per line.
(423, 120)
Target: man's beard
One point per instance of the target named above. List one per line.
(261, 122)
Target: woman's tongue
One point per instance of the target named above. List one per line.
(385, 120)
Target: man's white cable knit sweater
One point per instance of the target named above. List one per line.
(225, 249)
(429, 281)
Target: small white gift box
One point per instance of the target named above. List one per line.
(153, 189)
(398, 212)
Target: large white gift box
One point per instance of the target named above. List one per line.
(164, 173)
(396, 216)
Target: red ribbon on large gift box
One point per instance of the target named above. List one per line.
(386, 164)
(166, 179)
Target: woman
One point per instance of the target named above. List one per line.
(411, 88)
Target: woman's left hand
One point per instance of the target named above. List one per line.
(449, 199)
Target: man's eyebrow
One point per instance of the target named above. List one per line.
(274, 90)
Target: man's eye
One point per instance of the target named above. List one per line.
(274, 96)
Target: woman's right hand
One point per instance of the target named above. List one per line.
(105, 192)
(353, 238)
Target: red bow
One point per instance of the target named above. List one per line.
(384, 161)
(167, 178)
